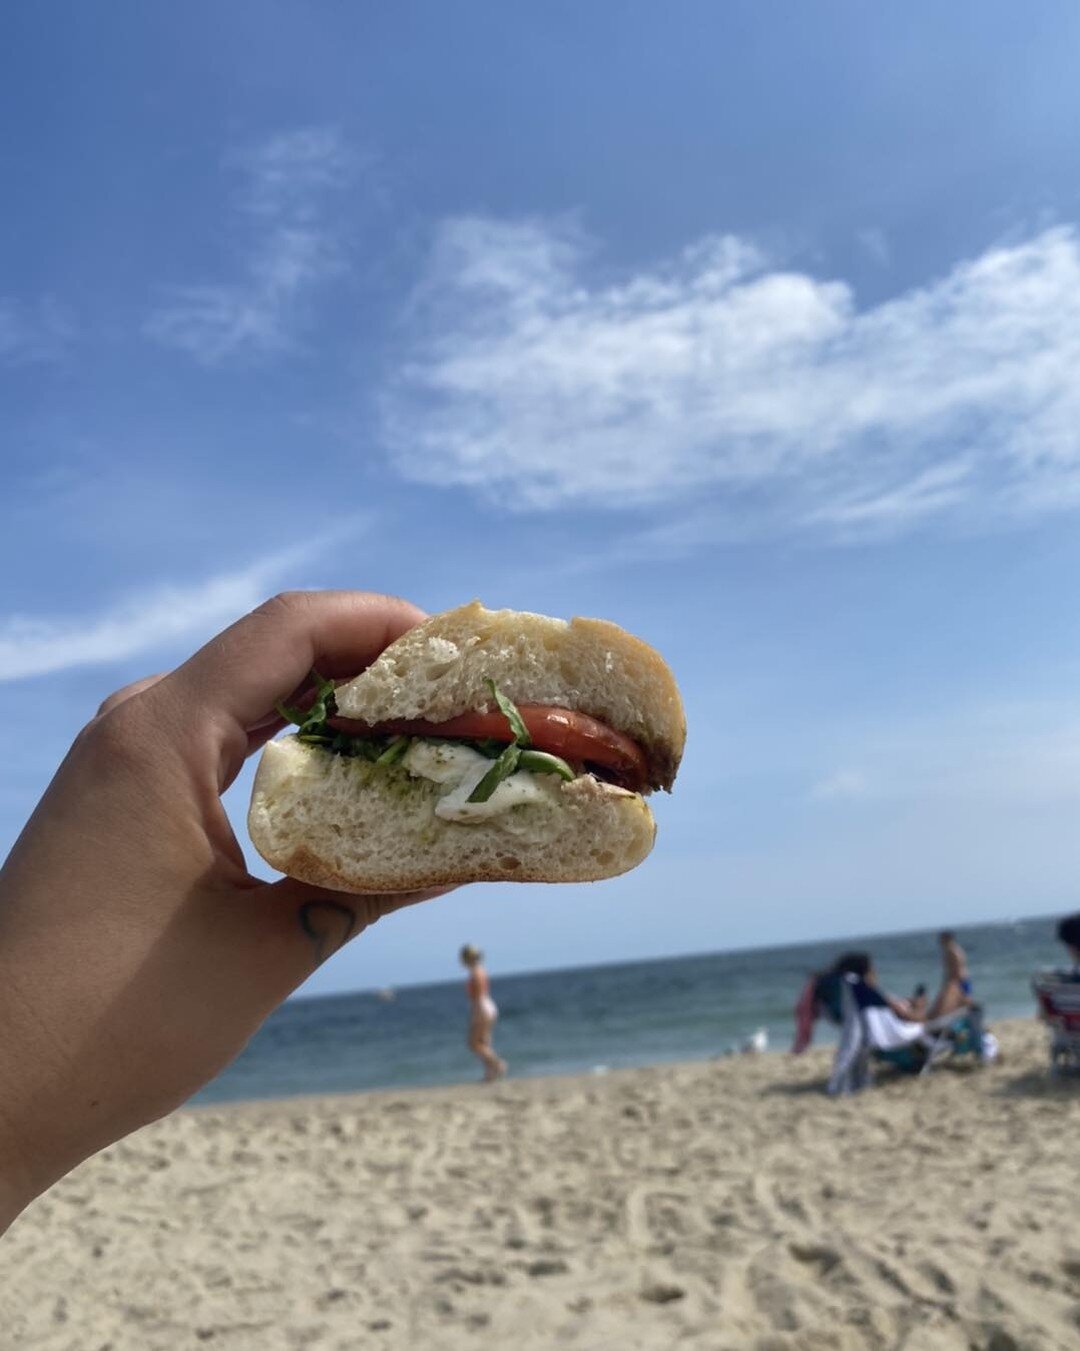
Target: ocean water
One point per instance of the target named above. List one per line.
(588, 1018)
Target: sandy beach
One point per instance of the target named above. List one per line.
(724, 1205)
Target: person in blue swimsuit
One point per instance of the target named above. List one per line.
(956, 991)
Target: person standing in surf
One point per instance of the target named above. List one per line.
(482, 1013)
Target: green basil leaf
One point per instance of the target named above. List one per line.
(325, 705)
(540, 762)
(394, 751)
(512, 716)
(503, 767)
(291, 713)
(313, 720)
(489, 747)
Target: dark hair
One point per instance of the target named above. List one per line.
(853, 964)
(946, 936)
(1068, 931)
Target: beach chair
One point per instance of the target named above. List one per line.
(871, 1031)
(1058, 995)
(956, 1036)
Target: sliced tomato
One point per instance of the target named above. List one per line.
(560, 731)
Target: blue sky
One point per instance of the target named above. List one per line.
(754, 328)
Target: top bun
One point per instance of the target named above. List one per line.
(437, 671)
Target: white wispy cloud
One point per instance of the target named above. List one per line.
(843, 784)
(289, 173)
(292, 249)
(875, 242)
(150, 620)
(38, 331)
(765, 394)
(1010, 752)
(933, 490)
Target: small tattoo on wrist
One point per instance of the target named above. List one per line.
(328, 924)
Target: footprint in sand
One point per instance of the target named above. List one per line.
(661, 1292)
(938, 1277)
(547, 1266)
(824, 1259)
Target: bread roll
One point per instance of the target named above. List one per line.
(351, 825)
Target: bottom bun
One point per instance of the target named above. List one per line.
(353, 826)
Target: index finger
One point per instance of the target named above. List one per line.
(266, 655)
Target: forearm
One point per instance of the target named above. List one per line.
(12, 1202)
(137, 954)
(62, 1052)
(29, 1114)
(17, 1188)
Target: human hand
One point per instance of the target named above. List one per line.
(137, 954)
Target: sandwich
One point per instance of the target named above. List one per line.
(482, 745)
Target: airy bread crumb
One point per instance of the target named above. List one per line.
(352, 826)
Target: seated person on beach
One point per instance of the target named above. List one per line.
(870, 994)
(1068, 932)
(822, 997)
(896, 1031)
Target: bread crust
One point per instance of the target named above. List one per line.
(305, 866)
(439, 670)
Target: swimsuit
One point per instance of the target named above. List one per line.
(483, 1004)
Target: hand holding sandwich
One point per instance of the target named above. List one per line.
(137, 954)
